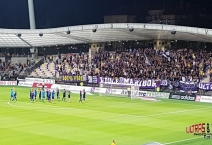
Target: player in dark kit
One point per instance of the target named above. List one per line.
(35, 94)
(64, 95)
(58, 94)
(15, 96)
(49, 95)
(80, 100)
(40, 94)
(69, 96)
(32, 95)
(84, 95)
(53, 93)
(43, 85)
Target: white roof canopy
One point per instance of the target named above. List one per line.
(104, 33)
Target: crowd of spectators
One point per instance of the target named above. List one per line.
(10, 71)
(73, 64)
(141, 63)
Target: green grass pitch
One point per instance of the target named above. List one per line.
(99, 120)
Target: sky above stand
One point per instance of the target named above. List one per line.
(58, 13)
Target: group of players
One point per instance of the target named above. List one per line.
(48, 94)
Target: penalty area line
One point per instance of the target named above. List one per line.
(183, 140)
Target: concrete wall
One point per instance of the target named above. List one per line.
(119, 19)
(17, 59)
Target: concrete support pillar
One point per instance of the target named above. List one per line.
(31, 14)
(34, 52)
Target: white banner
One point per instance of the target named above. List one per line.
(116, 91)
(39, 80)
(206, 99)
(25, 84)
(71, 88)
(8, 83)
(50, 81)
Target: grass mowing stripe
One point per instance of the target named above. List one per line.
(91, 111)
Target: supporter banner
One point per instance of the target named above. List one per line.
(205, 86)
(40, 85)
(39, 80)
(92, 79)
(144, 84)
(182, 96)
(8, 83)
(188, 87)
(74, 78)
(25, 84)
(206, 99)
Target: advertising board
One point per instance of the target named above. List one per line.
(39, 80)
(40, 85)
(157, 95)
(183, 96)
(8, 83)
(206, 99)
(25, 84)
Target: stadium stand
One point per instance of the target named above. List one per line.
(9, 70)
(183, 64)
(16, 65)
(62, 64)
(173, 65)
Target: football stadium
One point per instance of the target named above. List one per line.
(106, 84)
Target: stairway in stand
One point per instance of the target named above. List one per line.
(45, 70)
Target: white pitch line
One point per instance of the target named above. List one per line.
(158, 114)
(182, 140)
(175, 112)
(23, 106)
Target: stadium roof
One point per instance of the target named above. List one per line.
(104, 33)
